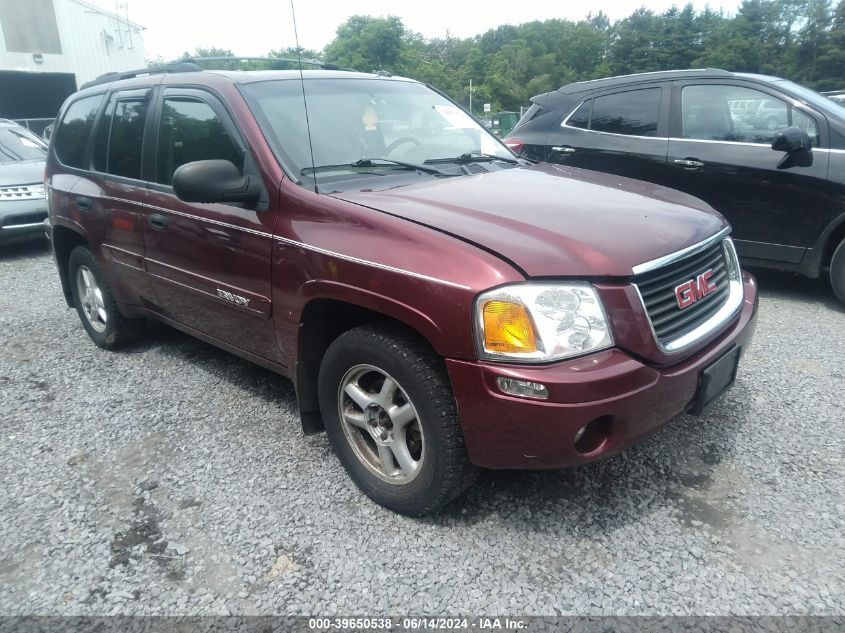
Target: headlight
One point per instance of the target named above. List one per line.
(540, 322)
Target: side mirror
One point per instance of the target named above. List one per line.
(214, 181)
(792, 139)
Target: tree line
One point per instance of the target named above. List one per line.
(802, 40)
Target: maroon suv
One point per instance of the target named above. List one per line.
(439, 304)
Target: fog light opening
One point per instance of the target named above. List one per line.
(593, 435)
(523, 388)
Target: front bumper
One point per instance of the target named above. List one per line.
(633, 399)
(22, 221)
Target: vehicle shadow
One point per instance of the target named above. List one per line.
(253, 379)
(24, 250)
(671, 471)
(650, 477)
(792, 286)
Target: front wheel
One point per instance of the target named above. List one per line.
(837, 271)
(391, 417)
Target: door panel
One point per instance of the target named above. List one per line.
(209, 264)
(115, 220)
(111, 207)
(720, 151)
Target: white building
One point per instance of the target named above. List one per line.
(68, 36)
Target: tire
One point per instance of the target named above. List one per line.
(402, 446)
(94, 302)
(772, 123)
(837, 271)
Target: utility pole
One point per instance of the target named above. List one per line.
(470, 95)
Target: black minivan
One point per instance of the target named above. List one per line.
(765, 152)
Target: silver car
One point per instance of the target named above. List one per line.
(23, 203)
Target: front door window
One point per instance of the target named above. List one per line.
(738, 114)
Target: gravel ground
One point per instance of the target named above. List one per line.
(172, 478)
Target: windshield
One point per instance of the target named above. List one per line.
(17, 146)
(354, 119)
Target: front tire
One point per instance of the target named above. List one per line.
(837, 271)
(392, 420)
(94, 302)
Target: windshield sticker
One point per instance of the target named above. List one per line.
(454, 116)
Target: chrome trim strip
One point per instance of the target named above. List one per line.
(295, 243)
(31, 225)
(366, 262)
(736, 294)
(189, 216)
(580, 129)
(653, 264)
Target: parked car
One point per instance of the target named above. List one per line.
(23, 205)
(439, 304)
(836, 95)
(766, 115)
(686, 130)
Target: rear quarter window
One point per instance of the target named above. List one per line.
(70, 139)
(530, 114)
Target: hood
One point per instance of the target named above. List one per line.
(24, 172)
(551, 220)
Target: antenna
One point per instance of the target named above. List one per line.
(304, 100)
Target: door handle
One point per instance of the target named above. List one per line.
(83, 203)
(688, 163)
(158, 221)
(563, 149)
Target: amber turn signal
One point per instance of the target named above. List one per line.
(508, 327)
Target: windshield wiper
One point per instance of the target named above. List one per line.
(472, 157)
(372, 162)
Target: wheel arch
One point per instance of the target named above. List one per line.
(833, 237)
(324, 318)
(64, 240)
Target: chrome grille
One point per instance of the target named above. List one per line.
(675, 327)
(22, 192)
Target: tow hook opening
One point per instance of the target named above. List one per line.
(594, 435)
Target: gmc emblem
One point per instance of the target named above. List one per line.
(691, 291)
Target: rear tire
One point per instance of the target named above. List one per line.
(94, 302)
(837, 271)
(391, 417)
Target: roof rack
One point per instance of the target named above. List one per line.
(713, 71)
(173, 67)
(192, 64)
(290, 60)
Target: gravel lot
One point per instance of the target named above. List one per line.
(172, 478)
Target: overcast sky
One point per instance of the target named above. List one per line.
(253, 27)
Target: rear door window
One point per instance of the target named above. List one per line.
(71, 137)
(126, 138)
(633, 113)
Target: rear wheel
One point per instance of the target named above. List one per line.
(837, 271)
(391, 417)
(96, 306)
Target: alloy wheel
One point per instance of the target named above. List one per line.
(91, 298)
(381, 424)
